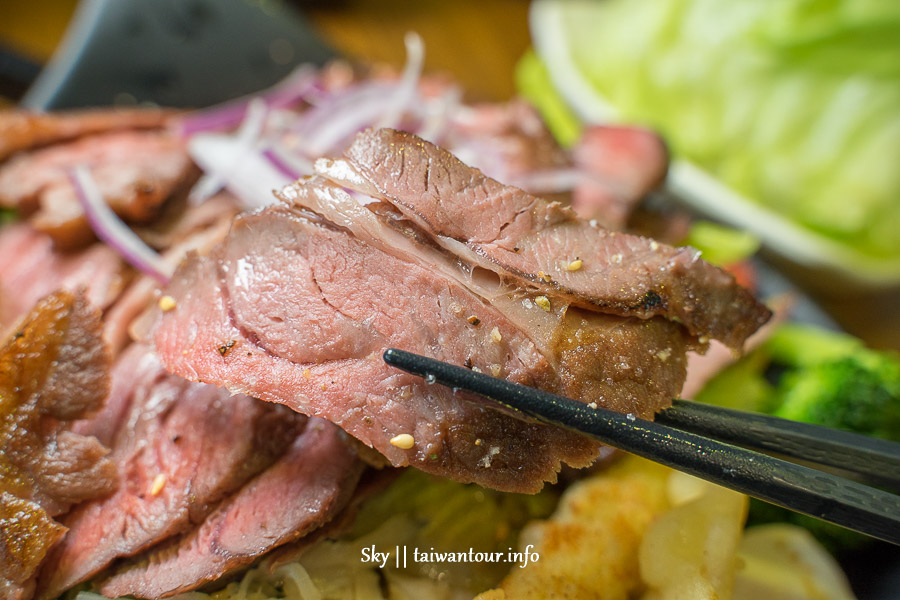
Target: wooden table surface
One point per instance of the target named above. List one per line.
(476, 41)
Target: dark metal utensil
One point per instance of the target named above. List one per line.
(184, 53)
(829, 497)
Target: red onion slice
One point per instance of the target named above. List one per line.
(295, 87)
(113, 231)
(291, 166)
(246, 138)
(244, 171)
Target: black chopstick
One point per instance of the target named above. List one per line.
(876, 461)
(852, 505)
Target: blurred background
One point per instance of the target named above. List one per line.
(197, 52)
(478, 42)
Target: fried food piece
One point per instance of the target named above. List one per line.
(54, 369)
(589, 547)
(636, 530)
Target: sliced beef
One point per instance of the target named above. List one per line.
(535, 241)
(136, 171)
(53, 370)
(27, 535)
(292, 309)
(31, 267)
(623, 165)
(625, 364)
(23, 130)
(186, 220)
(609, 170)
(508, 141)
(199, 228)
(298, 494)
(180, 447)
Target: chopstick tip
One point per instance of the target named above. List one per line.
(393, 357)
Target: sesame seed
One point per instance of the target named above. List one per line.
(495, 370)
(167, 303)
(654, 245)
(403, 441)
(306, 374)
(478, 442)
(543, 302)
(473, 320)
(495, 335)
(159, 482)
(575, 265)
(592, 405)
(543, 276)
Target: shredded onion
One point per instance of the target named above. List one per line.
(409, 81)
(299, 578)
(110, 228)
(338, 117)
(325, 126)
(290, 90)
(245, 138)
(549, 180)
(244, 171)
(563, 179)
(293, 167)
(274, 146)
(438, 115)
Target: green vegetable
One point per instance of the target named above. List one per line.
(794, 104)
(742, 385)
(859, 393)
(721, 245)
(829, 379)
(533, 82)
(799, 345)
(834, 380)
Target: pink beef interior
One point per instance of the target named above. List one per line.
(519, 235)
(298, 303)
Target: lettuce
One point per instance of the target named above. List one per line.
(792, 104)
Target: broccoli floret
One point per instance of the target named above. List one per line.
(859, 393)
(824, 378)
(846, 386)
